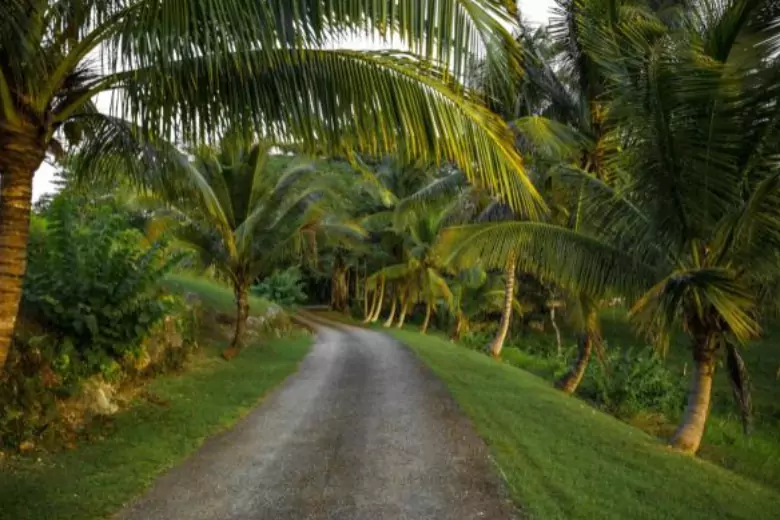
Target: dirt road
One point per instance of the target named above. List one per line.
(362, 431)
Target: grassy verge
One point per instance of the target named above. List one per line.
(564, 459)
(97, 478)
(216, 296)
(756, 456)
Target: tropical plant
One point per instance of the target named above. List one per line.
(244, 211)
(633, 380)
(690, 231)
(190, 68)
(94, 282)
(282, 287)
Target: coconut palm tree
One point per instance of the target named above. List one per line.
(702, 125)
(244, 212)
(691, 232)
(189, 69)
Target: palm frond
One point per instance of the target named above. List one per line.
(740, 385)
(703, 294)
(572, 260)
(337, 102)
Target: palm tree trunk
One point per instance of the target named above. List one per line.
(378, 309)
(688, 436)
(427, 321)
(374, 303)
(366, 295)
(557, 330)
(457, 329)
(390, 318)
(506, 316)
(339, 288)
(404, 310)
(569, 383)
(242, 316)
(20, 156)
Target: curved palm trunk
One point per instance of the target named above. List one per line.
(372, 308)
(557, 331)
(391, 318)
(404, 310)
(380, 301)
(569, 383)
(457, 329)
(506, 316)
(427, 321)
(689, 433)
(20, 157)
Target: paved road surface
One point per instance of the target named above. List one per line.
(363, 431)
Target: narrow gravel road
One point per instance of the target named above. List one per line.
(362, 431)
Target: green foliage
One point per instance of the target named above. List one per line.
(633, 380)
(284, 288)
(93, 285)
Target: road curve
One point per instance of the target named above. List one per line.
(362, 431)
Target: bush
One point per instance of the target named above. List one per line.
(284, 288)
(477, 340)
(94, 286)
(633, 380)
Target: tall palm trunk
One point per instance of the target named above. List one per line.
(391, 318)
(242, 316)
(366, 295)
(378, 310)
(688, 436)
(339, 288)
(427, 321)
(404, 310)
(506, 316)
(21, 153)
(569, 383)
(374, 303)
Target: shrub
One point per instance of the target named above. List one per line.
(477, 340)
(633, 380)
(284, 288)
(93, 284)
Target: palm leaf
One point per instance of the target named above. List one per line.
(572, 260)
(339, 101)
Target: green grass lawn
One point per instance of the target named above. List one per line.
(216, 296)
(95, 479)
(756, 456)
(564, 459)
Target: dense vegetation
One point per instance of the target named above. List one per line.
(604, 187)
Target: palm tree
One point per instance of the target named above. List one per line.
(702, 123)
(690, 232)
(189, 69)
(244, 213)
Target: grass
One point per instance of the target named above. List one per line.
(214, 295)
(94, 480)
(563, 459)
(756, 456)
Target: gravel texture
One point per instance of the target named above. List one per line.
(362, 431)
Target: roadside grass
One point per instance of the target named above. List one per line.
(756, 456)
(564, 459)
(178, 413)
